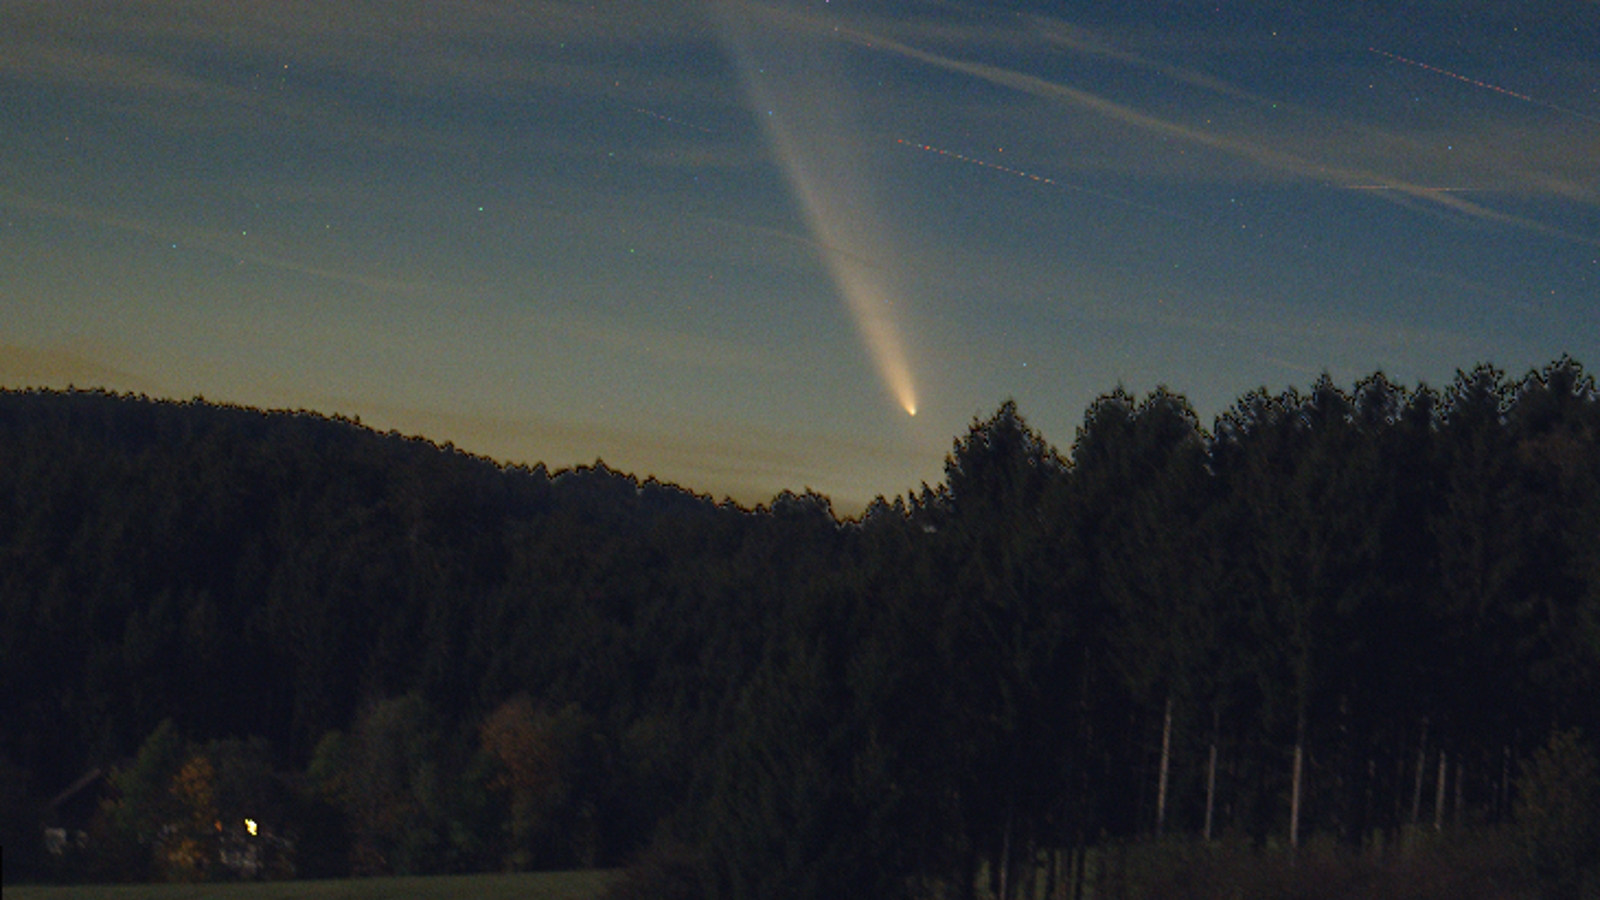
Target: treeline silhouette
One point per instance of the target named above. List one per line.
(247, 644)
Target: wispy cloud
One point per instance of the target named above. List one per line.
(220, 243)
(337, 70)
(1267, 157)
(1488, 152)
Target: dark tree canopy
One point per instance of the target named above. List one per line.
(1345, 612)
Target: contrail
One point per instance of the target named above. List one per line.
(1486, 85)
(1041, 179)
(673, 120)
(1397, 190)
(1060, 92)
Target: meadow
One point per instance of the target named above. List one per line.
(583, 885)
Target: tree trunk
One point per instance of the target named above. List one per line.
(1461, 773)
(1080, 875)
(1052, 869)
(1299, 768)
(1438, 794)
(1422, 764)
(1398, 819)
(1028, 878)
(969, 873)
(1211, 775)
(1294, 796)
(1166, 766)
(1502, 800)
(1140, 746)
(1004, 863)
(1368, 798)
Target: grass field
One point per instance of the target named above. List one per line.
(536, 886)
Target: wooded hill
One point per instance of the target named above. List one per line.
(1339, 613)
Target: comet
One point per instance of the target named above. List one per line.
(792, 85)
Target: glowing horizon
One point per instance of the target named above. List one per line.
(812, 138)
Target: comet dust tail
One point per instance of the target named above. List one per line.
(792, 82)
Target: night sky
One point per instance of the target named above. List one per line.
(734, 245)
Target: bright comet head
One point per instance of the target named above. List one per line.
(791, 76)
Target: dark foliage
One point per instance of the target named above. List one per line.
(1346, 617)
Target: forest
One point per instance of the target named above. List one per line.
(246, 644)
